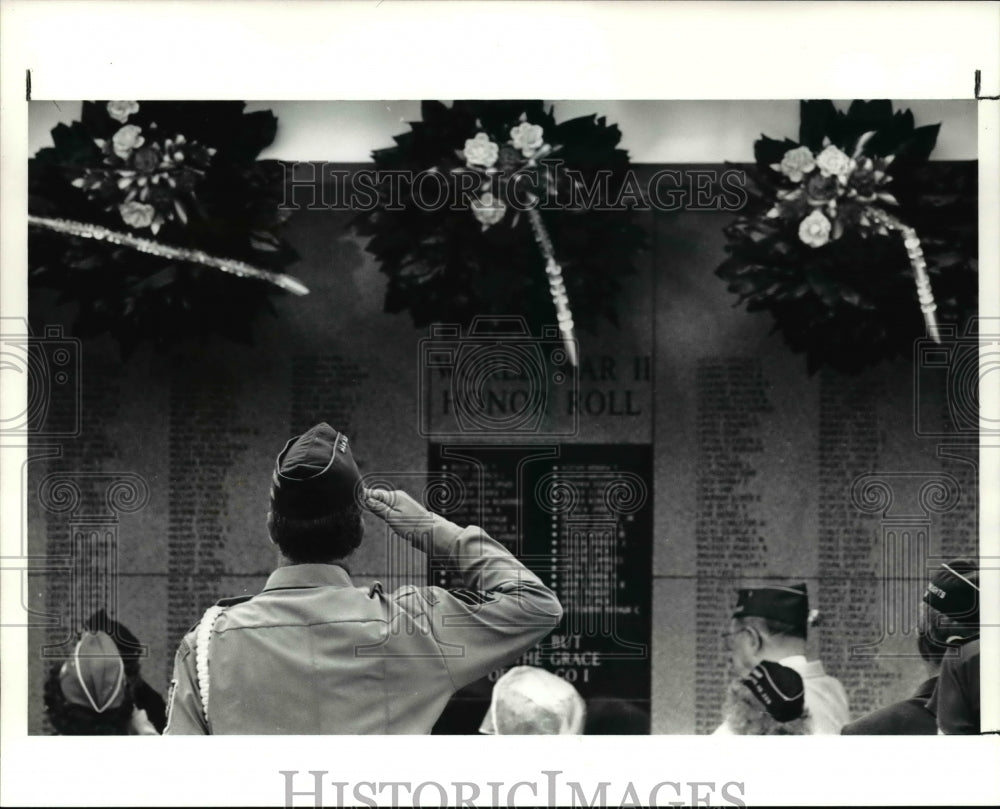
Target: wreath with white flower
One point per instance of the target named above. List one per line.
(852, 240)
(547, 262)
(158, 221)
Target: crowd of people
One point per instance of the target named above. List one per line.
(314, 654)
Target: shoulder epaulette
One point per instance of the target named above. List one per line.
(232, 602)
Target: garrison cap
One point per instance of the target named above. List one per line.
(954, 590)
(314, 475)
(778, 688)
(94, 675)
(787, 603)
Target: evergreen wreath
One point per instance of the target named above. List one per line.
(158, 221)
(815, 244)
(449, 263)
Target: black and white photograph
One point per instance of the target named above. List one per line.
(382, 411)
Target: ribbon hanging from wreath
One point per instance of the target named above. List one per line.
(492, 208)
(158, 221)
(852, 240)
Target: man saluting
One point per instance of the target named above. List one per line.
(313, 654)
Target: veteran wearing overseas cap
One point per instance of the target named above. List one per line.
(313, 654)
(771, 623)
(952, 618)
(949, 618)
(91, 695)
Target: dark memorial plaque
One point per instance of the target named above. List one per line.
(580, 517)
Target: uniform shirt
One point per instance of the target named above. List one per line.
(825, 699)
(312, 654)
(955, 700)
(909, 717)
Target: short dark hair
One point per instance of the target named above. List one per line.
(69, 719)
(774, 627)
(327, 538)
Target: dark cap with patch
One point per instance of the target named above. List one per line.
(778, 688)
(314, 475)
(954, 590)
(787, 603)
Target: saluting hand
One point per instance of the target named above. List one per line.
(409, 519)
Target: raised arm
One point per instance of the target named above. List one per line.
(503, 610)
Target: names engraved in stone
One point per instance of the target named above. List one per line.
(206, 441)
(730, 533)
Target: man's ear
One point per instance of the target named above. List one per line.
(268, 524)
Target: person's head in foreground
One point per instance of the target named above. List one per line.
(769, 623)
(951, 603)
(769, 701)
(615, 717)
(532, 701)
(89, 694)
(315, 517)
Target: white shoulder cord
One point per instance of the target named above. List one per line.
(202, 638)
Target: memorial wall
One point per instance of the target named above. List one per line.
(689, 454)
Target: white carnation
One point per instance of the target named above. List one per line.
(815, 229)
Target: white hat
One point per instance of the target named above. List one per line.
(528, 700)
